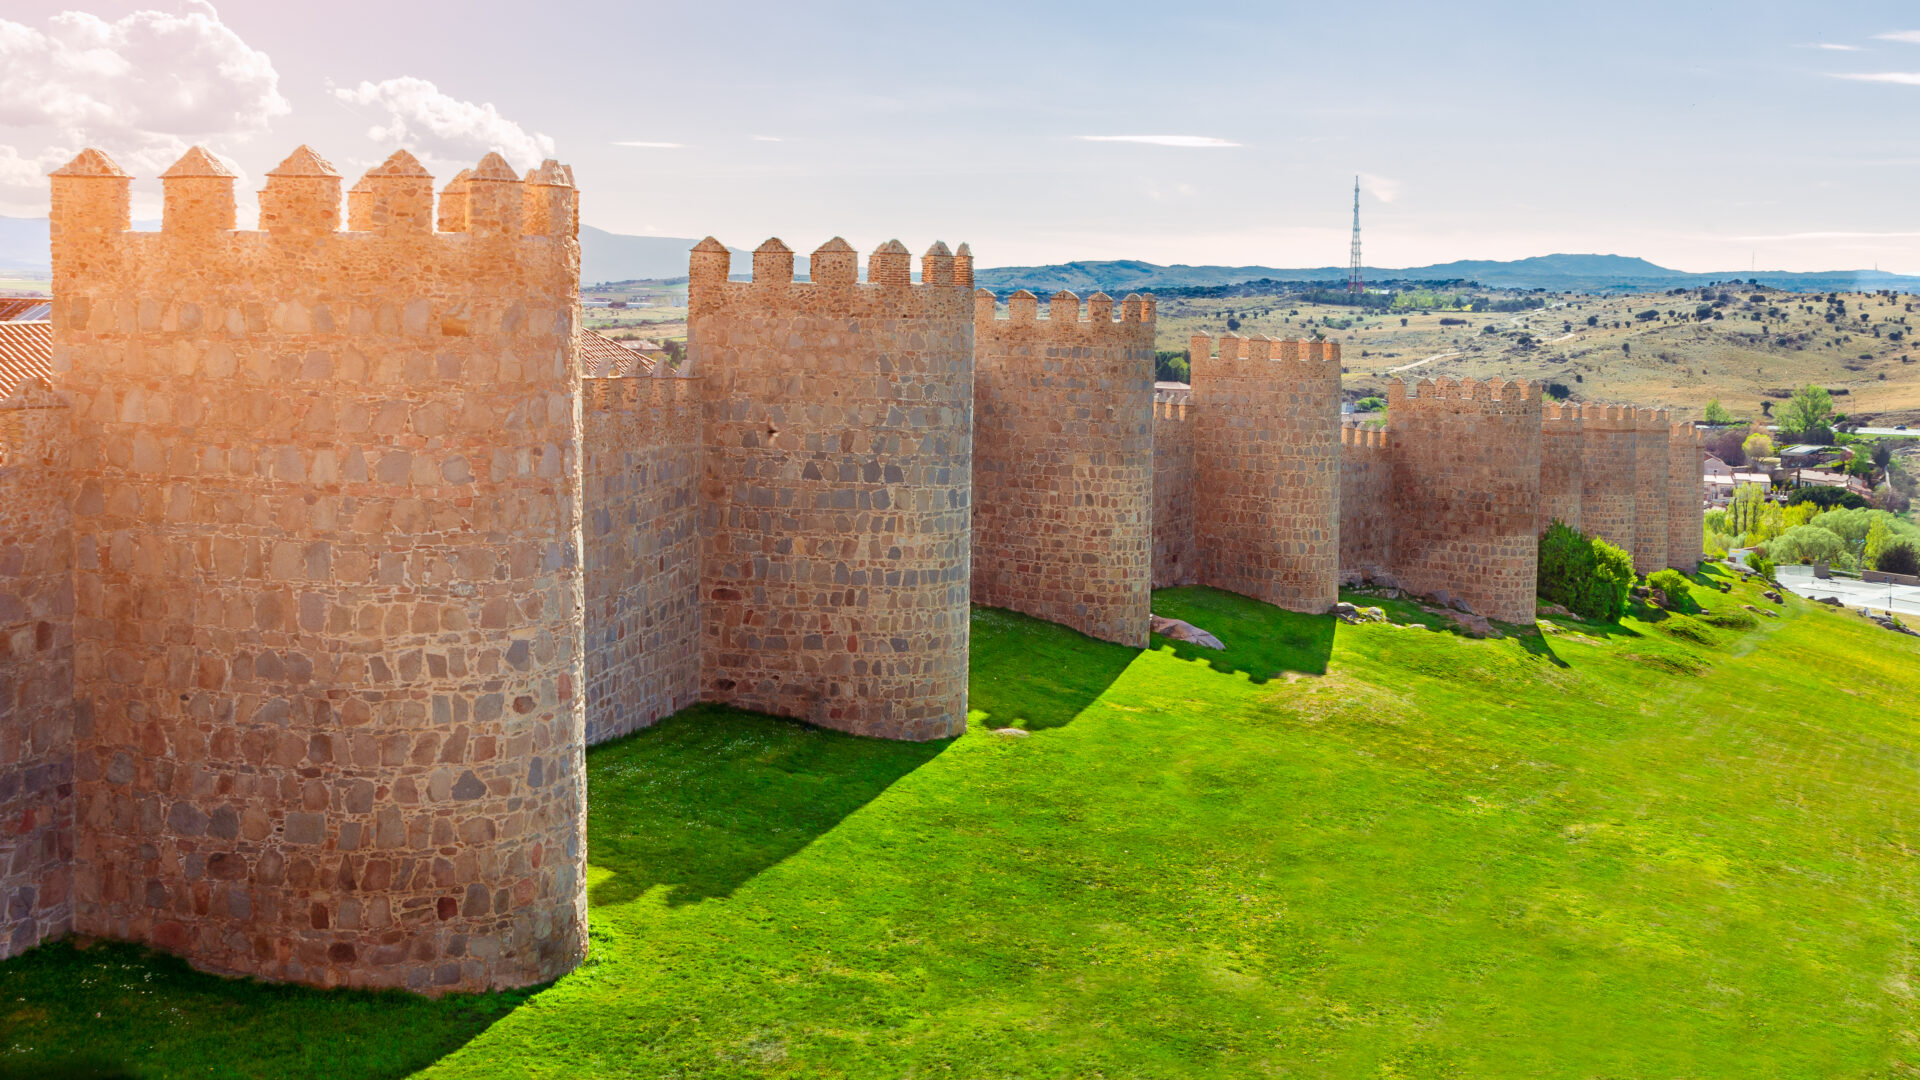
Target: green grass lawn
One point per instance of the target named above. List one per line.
(1680, 847)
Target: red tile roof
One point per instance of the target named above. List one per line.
(601, 357)
(24, 307)
(26, 350)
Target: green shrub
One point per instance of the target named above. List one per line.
(1674, 584)
(1583, 574)
(1899, 557)
(1761, 565)
(1827, 498)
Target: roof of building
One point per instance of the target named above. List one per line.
(601, 357)
(26, 351)
(25, 308)
(1804, 449)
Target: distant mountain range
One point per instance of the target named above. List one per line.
(607, 256)
(1560, 273)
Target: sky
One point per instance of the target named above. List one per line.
(1702, 136)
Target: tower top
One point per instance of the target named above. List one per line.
(1355, 285)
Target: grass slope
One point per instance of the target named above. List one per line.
(1680, 847)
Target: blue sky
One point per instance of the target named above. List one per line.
(1701, 136)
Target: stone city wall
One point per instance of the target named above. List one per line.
(1366, 524)
(641, 538)
(835, 502)
(36, 670)
(1651, 481)
(1267, 469)
(1562, 454)
(1466, 492)
(328, 639)
(1686, 513)
(1609, 469)
(1176, 557)
(1063, 462)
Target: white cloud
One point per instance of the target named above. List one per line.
(1900, 78)
(653, 145)
(1831, 236)
(1831, 47)
(1191, 141)
(422, 119)
(144, 86)
(1380, 187)
(768, 138)
(1911, 37)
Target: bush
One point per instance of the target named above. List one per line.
(1899, 557)
(1674, 584)
(1584, 574)
(1761, 565)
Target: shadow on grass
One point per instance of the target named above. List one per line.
(118, 1010)
(1030, 673)
(1262, 641)
(710, 797)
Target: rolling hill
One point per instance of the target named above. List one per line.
(609, 256)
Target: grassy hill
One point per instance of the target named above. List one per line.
(1678, 846)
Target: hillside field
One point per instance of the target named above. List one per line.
(1674, 358)
(1683, 845)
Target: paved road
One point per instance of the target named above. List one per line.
(1900, 599)
(1866, 430)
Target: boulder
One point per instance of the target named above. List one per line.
(1179, 630)
(1773, 596)
(1348, 613)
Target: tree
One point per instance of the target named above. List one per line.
(1171, 365)
(1901, 557)
(1744, 510)
(1808, 413)
(1717, 413)
(1757, 445)
(1878, 537)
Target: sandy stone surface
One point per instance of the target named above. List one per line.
(1267, 469)
(1063, 462)
(328, 631)
(836, 496)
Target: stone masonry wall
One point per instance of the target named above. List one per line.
(1562, 454)
(1652, 481)
(1267, 466)
(36, 670)
(1063, 462)
(1686, 513)
(328, 616)
(1466, 493)
(641, 534)
(1176, 557)
(838, 423)
(1366, 539)
(1610, 437)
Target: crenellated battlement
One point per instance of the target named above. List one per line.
(1066, 321)
(1262, 357)
(301, 201)
(1463, 392)
(835, 284)
(1362, 439)
(1560, 415)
